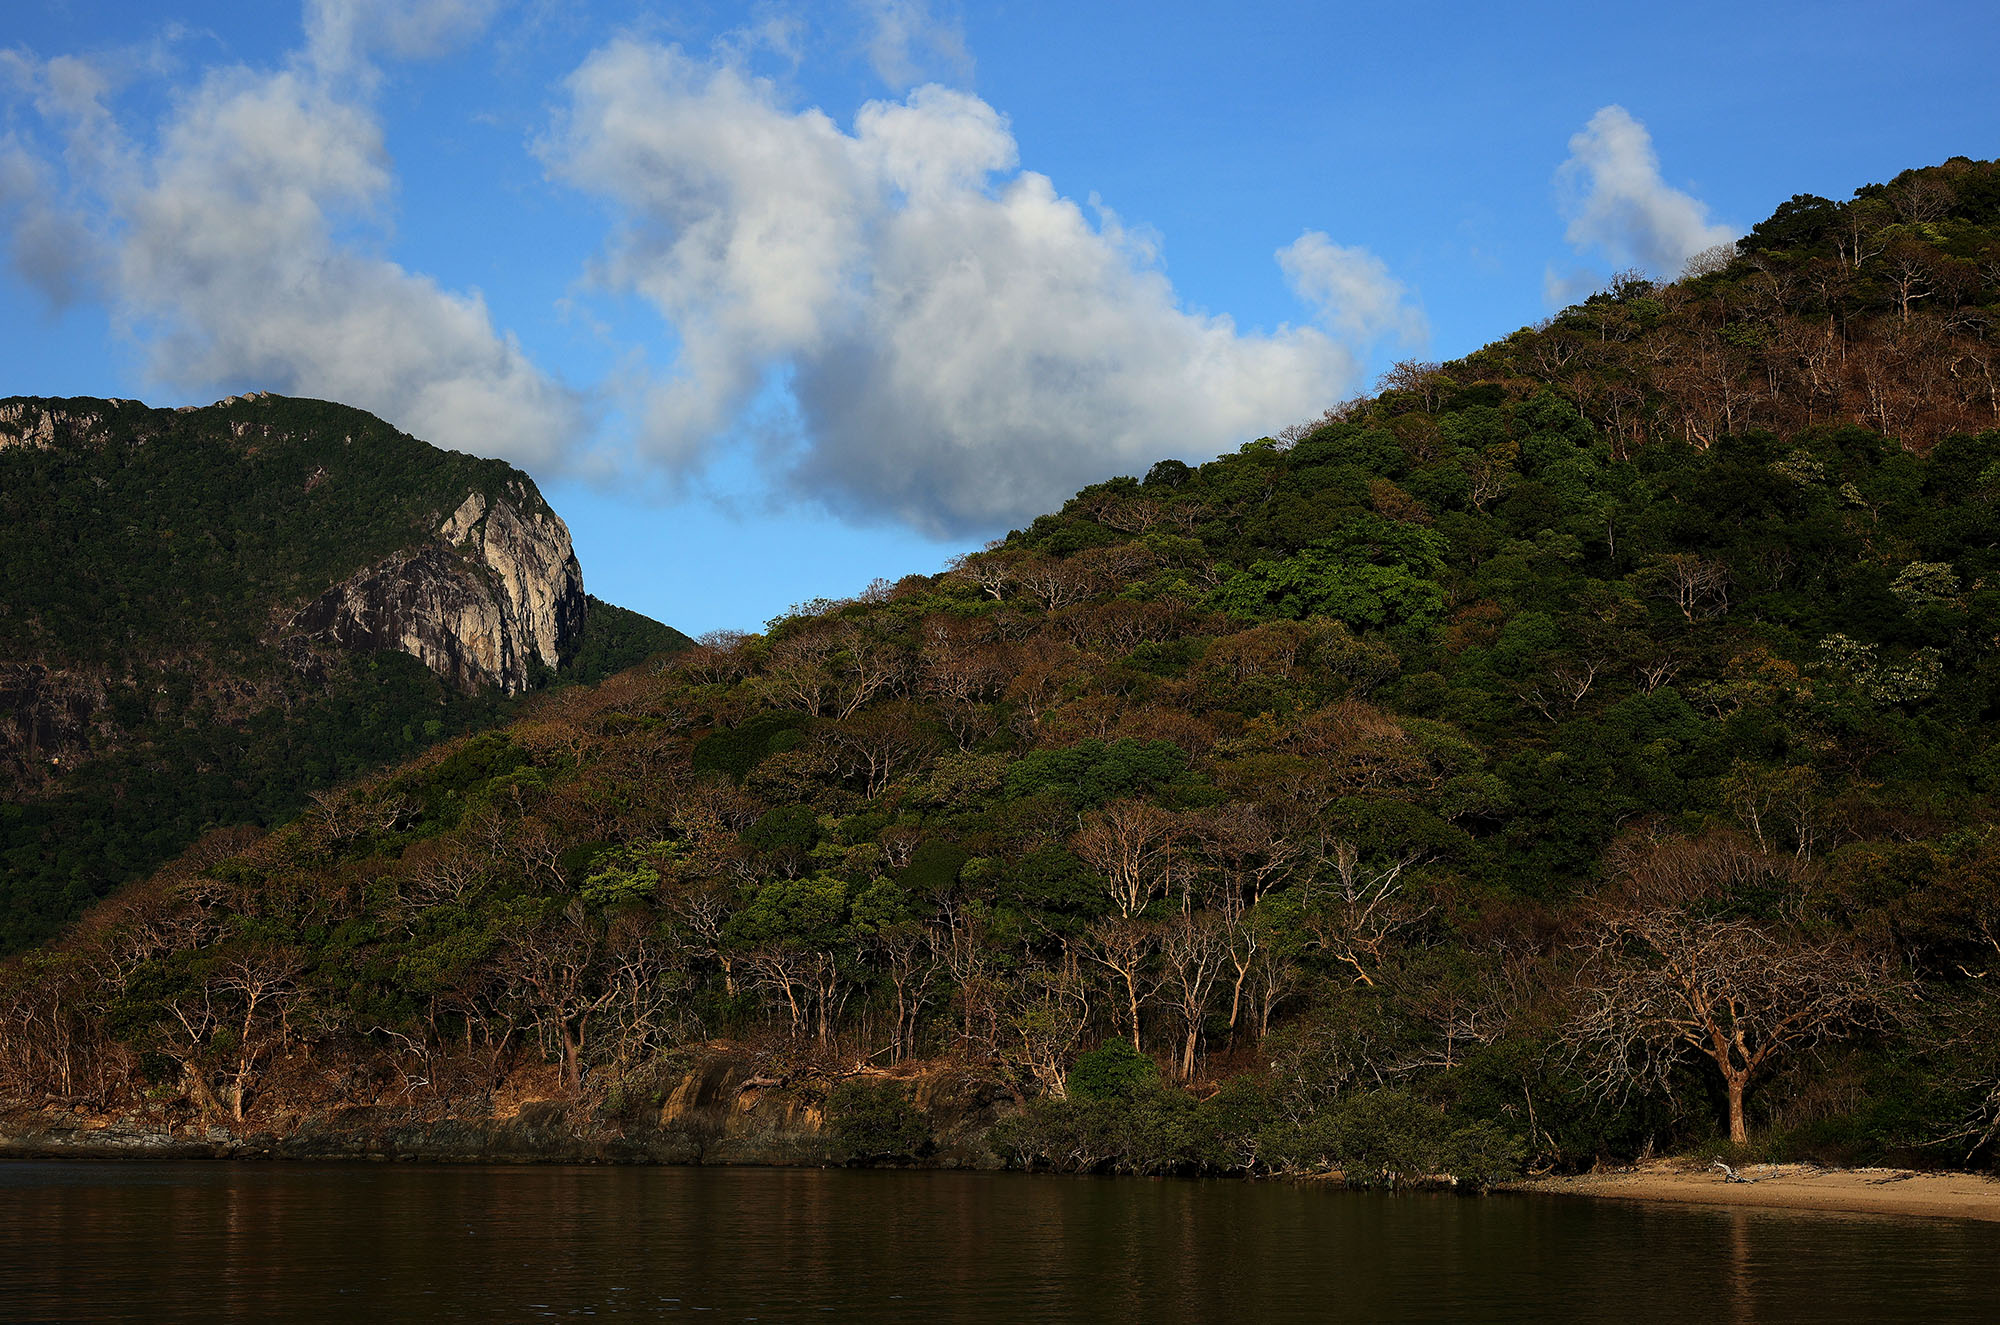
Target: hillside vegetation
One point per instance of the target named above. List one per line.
(150, 559)
(1586, 748)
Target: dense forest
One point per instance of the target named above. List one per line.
(1588, 748)
(146, 691)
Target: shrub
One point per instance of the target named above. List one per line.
(874, 1122)
(1113, 1071)
(1389, 1138)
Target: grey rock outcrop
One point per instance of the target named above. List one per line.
(46, 720)
(496, 592)
(31, 424)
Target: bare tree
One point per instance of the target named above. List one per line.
(1910, 270)
(223, 1022)
(1124, 948)
(558, 969)
(1048, 1022)
(1923, 199)
(990, 571)
(811, 982)
(1428, 383)
(1356, 919)
(1193, 952)
(880, 745)
(1491, 475)
(1664, 982)
(1658, 668)
(912, 958)
(1134, 845)
(1698, 586)
(261, 983)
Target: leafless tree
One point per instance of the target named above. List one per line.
(1135, 845)
(1910, 270)
(1056, 582)
(1698, 586)
(1923, 199)
(1428, 383)
(811, 982)
(221, 1025)
(1662, 666)
(1193, 953)
(880, 745)
(1048, 1021)
(829, 670)
(991, 571)
(911, 957)
(1124, 948)
(558, 970)
(1662, 982)
(1356, 916)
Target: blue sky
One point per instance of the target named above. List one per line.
(777, 298)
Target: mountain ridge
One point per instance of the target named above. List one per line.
(1585, 748)
(229, 567)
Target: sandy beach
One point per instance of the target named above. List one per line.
(1792, 1187)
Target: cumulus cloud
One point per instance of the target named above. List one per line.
(343, 34)
(1617, 205)
(908, 40)
(221, 241)
(1352, 289)
(48, 245)
(962, 347)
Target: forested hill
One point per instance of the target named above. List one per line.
(204, 612)
(1586, 748)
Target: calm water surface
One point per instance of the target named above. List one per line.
(364, 1243)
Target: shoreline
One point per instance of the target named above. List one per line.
(705, 1124)
(1794, 1187)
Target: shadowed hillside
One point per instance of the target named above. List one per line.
(211, 613)
(1585, 748)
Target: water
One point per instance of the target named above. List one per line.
(155, 1242)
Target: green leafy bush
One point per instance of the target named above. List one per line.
(874, 1122)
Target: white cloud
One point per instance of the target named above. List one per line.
(891, 316)
(220, 243)
(908, 41)
(962, 346)
(1616, 203)
(48, 245)
(342, 34)
(1352, 289)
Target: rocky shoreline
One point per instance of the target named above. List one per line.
(729, 1109)
(720, 1111)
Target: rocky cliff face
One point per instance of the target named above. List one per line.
(718, 1110)
(183, 596)
(30, 423)
(491, 593)
(46, 718)
(496, 591)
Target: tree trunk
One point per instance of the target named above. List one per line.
(197, 1085)
(1132, 1003)
(572, 1047)
(1739, 1134)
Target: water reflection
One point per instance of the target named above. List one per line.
(244, 1242)
(1742, 1301)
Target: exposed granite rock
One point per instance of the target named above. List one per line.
(28, 423)
(719, 1112)
(494, 593)
(46, 717)
(497, 591)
